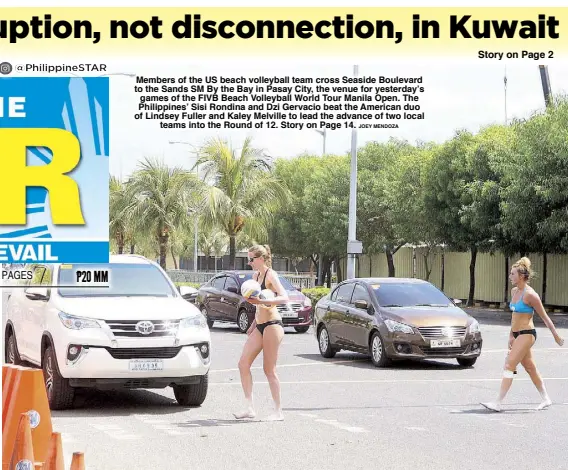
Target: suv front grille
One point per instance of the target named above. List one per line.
(438, 332)
(287, 307)
(127, 328)
(144, 353)
(443, 351)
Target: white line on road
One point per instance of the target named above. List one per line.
(344, 427)
(115, 431)
(314, 382)
(300, 364)
(415, 428)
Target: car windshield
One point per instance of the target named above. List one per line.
(285, 282)
(409, 295)
(131, 280)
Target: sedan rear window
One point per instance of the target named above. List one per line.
(409, 295)
(285, 282)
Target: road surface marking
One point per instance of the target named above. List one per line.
(344, 427)
(315, 382)
(301, 364)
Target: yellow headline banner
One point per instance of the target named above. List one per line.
(522, 33)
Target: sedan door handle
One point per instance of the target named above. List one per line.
(222, 299)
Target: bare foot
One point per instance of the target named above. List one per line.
(492, 406)
(249, 413)
(276, 416)
(544, 405)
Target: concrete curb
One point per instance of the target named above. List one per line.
(560, 320)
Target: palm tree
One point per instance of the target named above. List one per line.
(161, 197)
(242, 195)
(119, 228)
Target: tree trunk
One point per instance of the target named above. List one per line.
(390, 261)
(339, 273)
(132, 246)
(120, 242)
(163, 242)
(232, 251)
(173, 257)
(472, 275)
(428, 269)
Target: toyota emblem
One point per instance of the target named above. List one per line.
(144, 327)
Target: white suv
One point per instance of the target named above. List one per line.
(137, 333)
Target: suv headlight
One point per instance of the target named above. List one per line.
(398, 327)
(198, 321)
(474, 327)
(307, 302)
(77, 323)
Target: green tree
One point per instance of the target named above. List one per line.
(462, 196)
(242, 193)
(376, 211)
(160, 199)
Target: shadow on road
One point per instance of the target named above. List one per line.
(120, 403)
(362, 361)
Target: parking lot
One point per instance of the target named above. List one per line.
(339, 413)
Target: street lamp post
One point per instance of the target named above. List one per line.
(195, 229)
(354, 246)
(320, 261)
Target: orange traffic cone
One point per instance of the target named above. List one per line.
(28, 396)
(78, 461)
(22, 454)
(5, 368)
(54, 459)
(38, 466)
(7, 388)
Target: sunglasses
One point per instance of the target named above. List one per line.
(250, 260)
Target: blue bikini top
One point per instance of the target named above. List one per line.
(520, 306)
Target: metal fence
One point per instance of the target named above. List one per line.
(301, 281)
(491, 273)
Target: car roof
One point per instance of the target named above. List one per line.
(242, 271)
(389, 280)
(131, 259)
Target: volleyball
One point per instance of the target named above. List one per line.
(266, 294)
(250, 288)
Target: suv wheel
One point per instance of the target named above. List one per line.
(466, 362)
(193, 394)
(377, 351)
(12, 355)
(60, 394)
(243, 321)
(205, 314)
(324, 343)
(301, 329)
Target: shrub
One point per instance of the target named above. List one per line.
(190, 284)
(315, 293)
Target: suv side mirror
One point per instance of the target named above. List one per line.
(37, 293)
(233, 289)
(457, 301)
(362, 304)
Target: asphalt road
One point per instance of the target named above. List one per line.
(339, 413)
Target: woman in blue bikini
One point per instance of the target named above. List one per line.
(265, 333)
(524, 302)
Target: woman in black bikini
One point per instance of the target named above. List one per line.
(524, 302)
(265, 333)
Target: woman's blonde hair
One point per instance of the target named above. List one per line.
(262, 251)
(523, 267)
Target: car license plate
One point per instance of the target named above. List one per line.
(445, 343)
(146, 365)
(289, 314)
